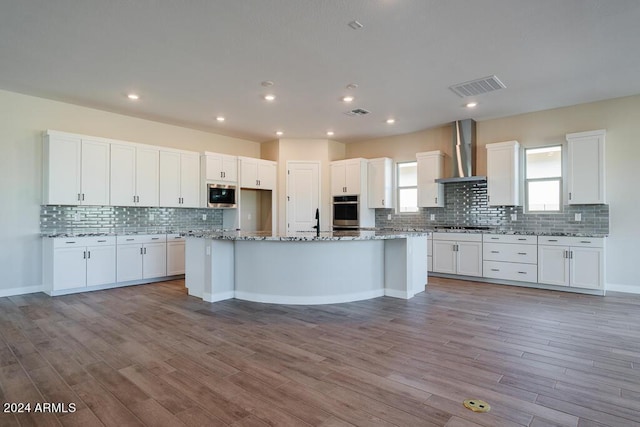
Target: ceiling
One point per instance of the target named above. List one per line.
(191, 61)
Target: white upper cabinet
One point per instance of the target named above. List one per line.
(430, 168)
(220, 167)
(585, 167)
(179, 179)
(134, 175)
(76, 170)
(348, 177)
(380, 183)
(503, 174)
(257, 173)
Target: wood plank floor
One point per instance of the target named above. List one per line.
(151, 355)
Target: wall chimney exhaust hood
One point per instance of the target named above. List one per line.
(463, 153)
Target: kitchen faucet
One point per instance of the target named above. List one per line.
(317, 226)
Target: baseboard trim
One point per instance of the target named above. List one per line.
(208, 297)
(20, 291)
(310, 300)
(395, 293)
(619, 287)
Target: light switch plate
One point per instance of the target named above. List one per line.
(204, 217)
(389, 217)
(432, 217)
(578, 217)
(152, 217)
(514, 217)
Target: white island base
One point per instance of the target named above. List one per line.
(305, 271)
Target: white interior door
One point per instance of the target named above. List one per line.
(303, 195)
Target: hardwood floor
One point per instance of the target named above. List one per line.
(152, 355)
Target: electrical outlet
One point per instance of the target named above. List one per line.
(389, 217)
(152, 217)
(204, 217)
(514, 217)
(249, 217)
(432, 217)
(578, 217)
(76, 216)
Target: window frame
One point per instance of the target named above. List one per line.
(558, 179)
(398, 187)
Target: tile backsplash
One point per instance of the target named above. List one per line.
(466, 205)
(54, 218)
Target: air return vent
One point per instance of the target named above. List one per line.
(357, 112)
(477, 87)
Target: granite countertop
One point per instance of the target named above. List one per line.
(512, 232)
(78, 232)
(308, 236)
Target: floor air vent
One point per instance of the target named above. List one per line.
(357, 112)
(477, 87)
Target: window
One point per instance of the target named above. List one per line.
(407, 187)
(543, 184)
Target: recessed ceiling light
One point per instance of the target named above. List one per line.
(348, 98)
(391, 121)
(330, 133)
(220, 119)
(269, 97)
(279, 133)
(355, 25)
(133, 96)
(471, 104)
(267, 83)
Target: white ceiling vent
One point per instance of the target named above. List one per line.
(357, 112)
(478, 86)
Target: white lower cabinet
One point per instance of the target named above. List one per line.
(571, 261)
(141, 257)
(457, 253)
(175, 255)
(429, 252)
(510, 257)
(80, 262)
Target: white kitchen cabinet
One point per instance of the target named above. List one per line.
(585, 167)
(348, 177)
(379, 177)
(503, 174)
(429, 252)
(510, 257)
(257, 173)
(175, 255)
(141, 257)
(135, 173)
(220, 167)
(179, 179)
(457, 253)
(571, 261)
(76, 170)
(430, 168)
(80, 262)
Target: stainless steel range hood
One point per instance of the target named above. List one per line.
(463, 153)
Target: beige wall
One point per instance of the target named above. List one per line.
(22, 121)
(620, 117)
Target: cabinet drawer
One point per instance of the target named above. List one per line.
(70, 242)
(591, 242)
(510, 271)
(174, 237)
(458, 237)
(510, 252)
(509, 238)
(141, 238)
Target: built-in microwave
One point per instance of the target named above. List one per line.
(221, 196)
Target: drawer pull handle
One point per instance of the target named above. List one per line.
(101, 241)
(522, 253)
(128, 240)
(522, 238)
(495, 252)
(69, 242)
(522, 272)
(495, 269)
(495, 238)
(155, 238)
(553, 240)
(585, 241)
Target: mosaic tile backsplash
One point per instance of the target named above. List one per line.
(466, 205)
(110, 219)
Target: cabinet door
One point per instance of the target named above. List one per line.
(267, 175)
(169, 179)
(586, 267)
(338, 179)
(352, 181)
(444, 257)
(230, 168)
(248, 173)
(502, 175)
(95, 173)
(430, 193)
(189, 181)
(128, 262)
(101, 265)
(469, 260)
(62, 163)
(553, 265)
(379, 184)
(214, 167)
(175, 257)
(69, 268)
(154, 263)
(586, 168)
(123, 175)
(147, 176)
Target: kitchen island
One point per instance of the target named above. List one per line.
(303, 268)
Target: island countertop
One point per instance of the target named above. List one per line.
(306, 236)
